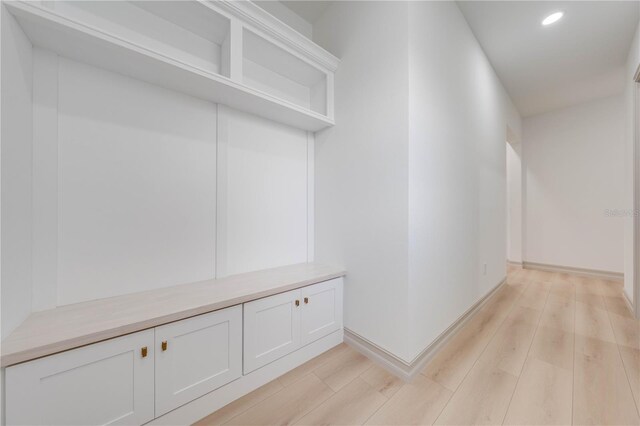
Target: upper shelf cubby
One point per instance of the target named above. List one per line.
(187, 31)
(227, 52)
(274, 70)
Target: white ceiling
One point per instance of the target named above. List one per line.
(581, 57)
(308, 9)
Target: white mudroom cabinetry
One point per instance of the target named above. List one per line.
(213, 50)
(271, 329)
(197, 355)
(157, 180)
(278, 325)
(321, 310)
(142, 376)
(105, 383)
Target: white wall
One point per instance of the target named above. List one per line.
(514, 201)
(459, 113)
(262, 199)
(124, 179)
(362, 168)
(137, 185)
(16, 89)
(632, 108)
(408, 181)
(574, 173)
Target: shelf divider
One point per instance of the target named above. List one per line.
(47, 29)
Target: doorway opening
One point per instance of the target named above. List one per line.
(514, 199)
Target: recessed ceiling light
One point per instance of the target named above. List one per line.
(554, 17)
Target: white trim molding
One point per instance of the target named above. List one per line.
(407, 371)
(592, 273)
(311, 197)
(265, 22)
(628, 301)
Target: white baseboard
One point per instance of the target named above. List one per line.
(408, 370)
(385, 359)
(592, 273)
(628, 302)
(207, 404)
(514, 263)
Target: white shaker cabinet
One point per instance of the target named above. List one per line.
(141, 376)
(197, 355)
(322, 310)
(271, 329)
(105, 383)
(278, 325)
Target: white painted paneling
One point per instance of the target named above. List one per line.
(45, 179)
(16, 202)
(200, 354)
(106, 383)
(311, 197)
(137, 185)
(574, 166)
(262, 202)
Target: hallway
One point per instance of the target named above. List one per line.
(274, 212)
(547, 348)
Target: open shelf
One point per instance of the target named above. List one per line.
(272, 69)
(187, 31)
(199, 71)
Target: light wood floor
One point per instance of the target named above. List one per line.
(548, 348)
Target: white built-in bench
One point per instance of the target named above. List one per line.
(173, 354)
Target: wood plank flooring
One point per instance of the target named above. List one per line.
(548, 348)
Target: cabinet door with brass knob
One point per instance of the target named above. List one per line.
(197, 355)
(271, 328)
(103, 383)
(321, 313)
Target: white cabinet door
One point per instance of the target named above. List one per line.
(321, 310)
(271, 329)
(105, 383)
(197, 355)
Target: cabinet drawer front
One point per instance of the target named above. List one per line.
(196, 356)
(322, 310)
(104, 383)
(271, 329)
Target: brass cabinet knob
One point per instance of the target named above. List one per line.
(297, 303)
(306, 300)
(164, 345)
(143, 352)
